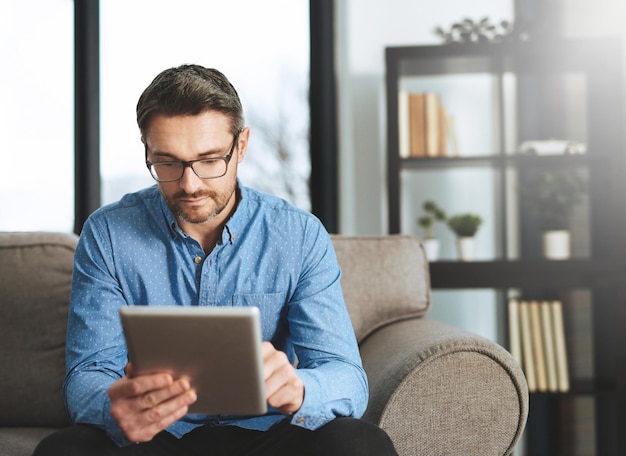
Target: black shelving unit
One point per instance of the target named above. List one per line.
(536, 68)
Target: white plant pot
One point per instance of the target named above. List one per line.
(465, 248)
(431, 246)
(556, 245)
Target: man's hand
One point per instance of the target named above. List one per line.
(283, 388)
(145, 405)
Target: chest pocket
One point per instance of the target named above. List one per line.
(273, 310)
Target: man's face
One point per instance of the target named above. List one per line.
(207, 135)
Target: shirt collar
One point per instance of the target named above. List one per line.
(232, 227)
(170, 220)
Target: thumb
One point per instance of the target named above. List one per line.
(128, 370)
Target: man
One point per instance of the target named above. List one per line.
(199, 237)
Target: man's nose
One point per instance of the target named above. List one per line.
(190, 182)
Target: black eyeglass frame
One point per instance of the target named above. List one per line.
(190, 163)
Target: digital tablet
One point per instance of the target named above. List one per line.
(217, 348)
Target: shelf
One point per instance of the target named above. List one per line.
(527, 274)
(500, 96)
(583, 387)
(493, 58)
(495, 160)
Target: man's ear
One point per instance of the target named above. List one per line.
(242, 146)
(143, 141)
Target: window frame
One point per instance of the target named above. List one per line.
(322, 101)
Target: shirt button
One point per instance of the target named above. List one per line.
(300, 420)
(197, 260)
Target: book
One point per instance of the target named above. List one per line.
(538, 347)
(422, 125)
(548, 342)
(452, 137)
(432, 113)
(515, 341)
(528, 365)
(559, 346)
(443, 131)
(417, 124)
(404, 136)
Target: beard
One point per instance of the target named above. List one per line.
(200, 215)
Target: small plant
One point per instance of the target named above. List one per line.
(465, 225)
(433, 214)
(552, 196)
(470, 31)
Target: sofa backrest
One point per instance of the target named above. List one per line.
(35, 281)
(384, 279)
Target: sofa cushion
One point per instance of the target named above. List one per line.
(21, 441)
(375, 283)
(35, 281)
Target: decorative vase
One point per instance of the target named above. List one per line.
(431, 246)
(556, 244)
(465, 248)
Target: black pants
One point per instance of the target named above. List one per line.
(342, 436)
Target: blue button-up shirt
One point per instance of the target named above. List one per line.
(271, 255)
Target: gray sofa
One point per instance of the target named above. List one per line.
(436, 390)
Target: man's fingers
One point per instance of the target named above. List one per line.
(286, 396)
(267, 348)
(276, 375)
(150, 422)
(143, 406)
(283, 387)
(156, 397)
(128, 387)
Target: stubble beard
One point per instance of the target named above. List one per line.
(220, 201)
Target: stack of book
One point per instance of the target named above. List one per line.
(423, 125)
(537, 342)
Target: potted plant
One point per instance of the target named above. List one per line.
(433, 213)
(551, 197)
(465, 226)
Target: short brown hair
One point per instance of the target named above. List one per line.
(189, 90)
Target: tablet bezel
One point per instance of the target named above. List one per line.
(198, 342)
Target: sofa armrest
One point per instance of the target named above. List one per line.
(440, 390)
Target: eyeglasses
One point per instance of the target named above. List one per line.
(205, 168)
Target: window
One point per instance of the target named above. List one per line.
(36, 115)
(262, 47)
